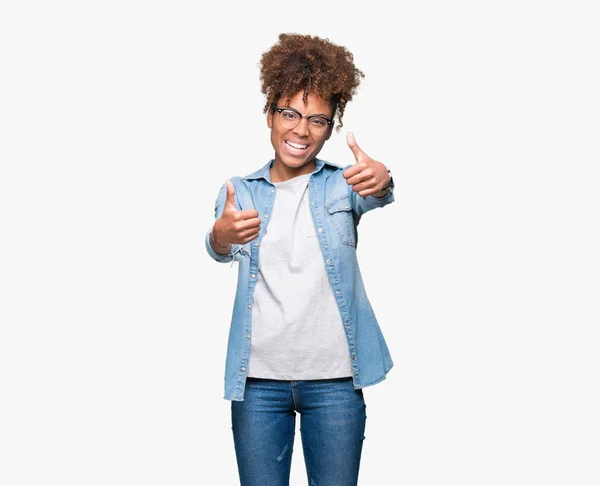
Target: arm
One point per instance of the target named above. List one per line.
(218, 255)
(369, 181)
(233, 228)
(361, 205)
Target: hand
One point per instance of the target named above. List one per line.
(235, 227)
(367, 176)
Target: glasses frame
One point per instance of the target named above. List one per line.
(330, 122)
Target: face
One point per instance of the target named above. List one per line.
(296, 148)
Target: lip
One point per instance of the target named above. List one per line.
(298, 142)
(295, 152)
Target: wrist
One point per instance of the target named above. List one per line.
(214, 239)
(390, 185)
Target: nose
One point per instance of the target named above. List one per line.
(302, 128)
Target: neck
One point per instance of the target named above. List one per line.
(281, 172)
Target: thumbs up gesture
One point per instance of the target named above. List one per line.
(234, 226)
(367, 176)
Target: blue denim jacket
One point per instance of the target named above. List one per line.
(336, 211)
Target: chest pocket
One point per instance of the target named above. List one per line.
(340, 216)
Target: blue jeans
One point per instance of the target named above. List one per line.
(332, 428)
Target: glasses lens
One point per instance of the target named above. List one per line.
(317, 124)
(289, 118)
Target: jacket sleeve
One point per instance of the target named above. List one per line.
(361, 205)
(235, 252)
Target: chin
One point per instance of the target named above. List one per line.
(294, 163)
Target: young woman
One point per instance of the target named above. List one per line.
(303, 335)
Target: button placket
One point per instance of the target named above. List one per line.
(331, 271)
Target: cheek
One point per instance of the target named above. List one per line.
(274, 139)
(319, 145)
(277, 133)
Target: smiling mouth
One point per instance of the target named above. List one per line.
(297, 146)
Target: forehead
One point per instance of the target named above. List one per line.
(314, 104)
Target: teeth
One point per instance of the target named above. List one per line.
(296, 145)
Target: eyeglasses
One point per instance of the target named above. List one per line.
(290, 118)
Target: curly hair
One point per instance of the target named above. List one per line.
(310, 64)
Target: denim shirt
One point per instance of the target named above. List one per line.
(336, 210)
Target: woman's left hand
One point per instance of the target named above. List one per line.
(367, 176)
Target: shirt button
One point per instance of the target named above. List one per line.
(346, 323)
(272, 191)
(320, 230)
(347, 207)
(312, 202)
(328, 260)
(253, 276)
(266, 215)
(249, 306)
(243, 368)
(248, 336)
(256, 244)
(353, 357)
(337, 292)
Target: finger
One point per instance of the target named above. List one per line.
(366, 185)
(362, 176)
(250, 238)
(368, 192)
(253, 223)
(352, 171)
(247, 233)
(248, 213)
(351, 141)
(230, 199)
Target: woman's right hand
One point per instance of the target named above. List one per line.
(234, 226)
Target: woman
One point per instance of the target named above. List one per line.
(303, 335)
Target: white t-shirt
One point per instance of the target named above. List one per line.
(297, 329)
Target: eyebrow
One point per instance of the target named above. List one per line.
(316, 114)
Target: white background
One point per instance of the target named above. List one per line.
(120, 120)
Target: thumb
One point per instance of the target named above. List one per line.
(350, 140)
(230, 199)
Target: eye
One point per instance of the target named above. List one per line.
(289, 115)
(318, 122)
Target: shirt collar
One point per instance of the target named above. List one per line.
(265, 171)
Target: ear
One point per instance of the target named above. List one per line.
(270, 119)
(329, 131)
